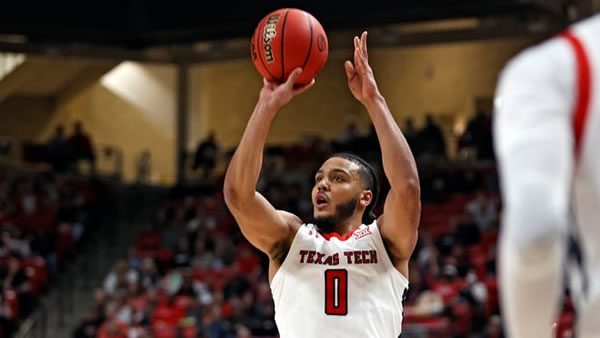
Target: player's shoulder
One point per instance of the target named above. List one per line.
(587, 27)
(549, 57)
(541, 59)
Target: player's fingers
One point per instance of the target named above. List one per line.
(364, 45)
(266, 83)
(304, 88)
(359, 62)
(293, 77)
(357, 53)
(349, 69)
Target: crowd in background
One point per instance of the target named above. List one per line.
(191, 273)
(43, 217)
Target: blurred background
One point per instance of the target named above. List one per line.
(118, 119)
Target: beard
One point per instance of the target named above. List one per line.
(329, 224)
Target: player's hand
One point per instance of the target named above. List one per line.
(361, 80)
(276, 95)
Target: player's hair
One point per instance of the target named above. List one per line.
(369, 179)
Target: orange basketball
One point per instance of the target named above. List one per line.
(286, 39)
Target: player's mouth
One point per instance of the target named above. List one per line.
(321, 201)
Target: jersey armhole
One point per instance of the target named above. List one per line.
(582, 90)
(284, 264)
(386, 258)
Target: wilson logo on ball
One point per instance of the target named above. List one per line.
(321, 43)
(270, 32)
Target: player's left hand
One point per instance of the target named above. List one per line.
(361, 80)
(277, 95)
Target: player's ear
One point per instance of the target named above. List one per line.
(366, 197)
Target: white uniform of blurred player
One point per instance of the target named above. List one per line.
(547, 138)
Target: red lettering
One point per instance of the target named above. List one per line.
(357, 257)
(311, 257)
(348, 255)
(302, 254)
(328, 260)
(365, 257)
(319, 259)
(373, 256)
(336, 292)
(336, 259)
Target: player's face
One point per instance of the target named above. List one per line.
(336, 190)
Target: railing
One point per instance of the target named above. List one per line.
(36, 325)
(8, 62)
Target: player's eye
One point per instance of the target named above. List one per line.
(337, 178)
(318, 179)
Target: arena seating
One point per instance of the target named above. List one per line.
(191, 273)
(43, 218)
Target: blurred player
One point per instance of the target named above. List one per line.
(345, 275)
(547, 138)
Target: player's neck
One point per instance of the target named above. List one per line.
(348, 225)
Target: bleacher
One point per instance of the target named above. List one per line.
(43, 218)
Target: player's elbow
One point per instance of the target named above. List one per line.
(231, 195)
(410, 191)
(535, 222)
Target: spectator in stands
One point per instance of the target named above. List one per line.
(205, 157)
(478, 135)
(118, 280)
(89, 327)
(8, 315)
(81, 145)
(59, 151)
(431, 138)
(493, 329)
(483, 210)
(467, 232)
(182, 256)
(214, 325)
(144, 169)
(14, 277)
(28, 198)
(148, 276)
(112, 327)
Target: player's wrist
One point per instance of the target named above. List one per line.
(268, 108)
(373, 100)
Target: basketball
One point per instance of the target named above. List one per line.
(286, 39)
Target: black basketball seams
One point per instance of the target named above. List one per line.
(311, 40)
(281, 47)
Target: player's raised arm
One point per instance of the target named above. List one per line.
(400, 220)
(260, 222)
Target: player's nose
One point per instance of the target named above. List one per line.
(323, 185)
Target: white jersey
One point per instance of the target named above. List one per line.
(338, 287)
(547, 130)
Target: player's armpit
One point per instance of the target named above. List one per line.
(399, 223)
(263, 226)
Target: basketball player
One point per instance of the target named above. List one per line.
(344, 275)
(547, 138)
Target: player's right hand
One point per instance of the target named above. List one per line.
(276, 95)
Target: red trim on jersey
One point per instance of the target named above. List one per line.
(584, 84)
(329, 235)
